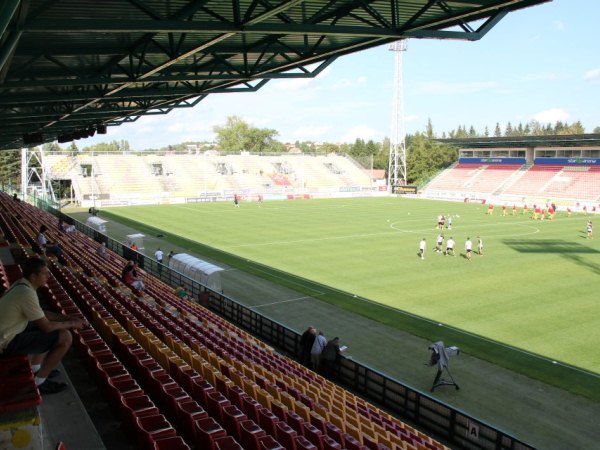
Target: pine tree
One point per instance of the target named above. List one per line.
(509, 130)
(497, 130)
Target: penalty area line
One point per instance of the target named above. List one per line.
(287, 301)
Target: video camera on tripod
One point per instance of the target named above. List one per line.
(440, 357)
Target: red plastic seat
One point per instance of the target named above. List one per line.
(250, 435)
(286, 435)
(152, 428)
(267, 420)
(232, 417)
(227, 443)
(133, 407)
(268, 443)
(278, 410)
(188, 411)
(201, 388)
(215, 402)
(171, 443)
(236, 394)
(350, 443)
(206, 431)
(313, 434)
(304, 444)
(251, 408)
(330, 444)
(334, 432)
(294, 421)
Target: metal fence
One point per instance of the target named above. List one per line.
(456, 427)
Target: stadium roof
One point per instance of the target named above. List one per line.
(69, 68)
(573, 140)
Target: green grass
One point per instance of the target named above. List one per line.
(534, 290)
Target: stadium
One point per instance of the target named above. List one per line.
(238, 252)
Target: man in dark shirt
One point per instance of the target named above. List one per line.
(306, 342)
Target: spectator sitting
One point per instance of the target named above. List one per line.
(47, 247)
(25, 329)
(102, 251)
(130, 277)
(181, 293)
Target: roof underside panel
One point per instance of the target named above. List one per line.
(70, 66)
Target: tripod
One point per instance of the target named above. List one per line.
(439, 381)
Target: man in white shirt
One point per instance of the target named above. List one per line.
(450, 246)
(439, 243)
(422, 248)
(469, 248)
(159, 257)
(317, 349)
(479, 246)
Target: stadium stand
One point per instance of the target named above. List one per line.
(568, 182)
(467, 177)
(181, 376)
(129, 178)
(514, 182)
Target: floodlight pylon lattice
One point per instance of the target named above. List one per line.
(397, 158)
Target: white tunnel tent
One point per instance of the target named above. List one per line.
(204, 272)
(97, 223)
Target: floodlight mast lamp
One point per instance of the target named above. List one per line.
(397, 160)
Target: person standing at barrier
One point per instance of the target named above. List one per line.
(306, 343)
(26, 329)
(317, 350)
(159, 258)
(331, 357)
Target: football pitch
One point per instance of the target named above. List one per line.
(535, 288)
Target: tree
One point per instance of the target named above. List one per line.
(597, 130)
(237, 135)
(10, 168)
(497, 130)
(486, 131)
(426, 157)
(509, 130)
(429, 129)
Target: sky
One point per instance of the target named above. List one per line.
(539, 63)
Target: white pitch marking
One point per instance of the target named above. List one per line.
(287, 301)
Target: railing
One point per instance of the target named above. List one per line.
(442, 420)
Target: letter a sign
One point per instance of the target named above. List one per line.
(473, 431)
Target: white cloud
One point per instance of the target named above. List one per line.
(443, 87)
(592, 75)
(542, 76)
(551, 115)
(411, 118)
(559, 25)
(360, 131)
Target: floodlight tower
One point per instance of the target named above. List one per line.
(397, 161)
